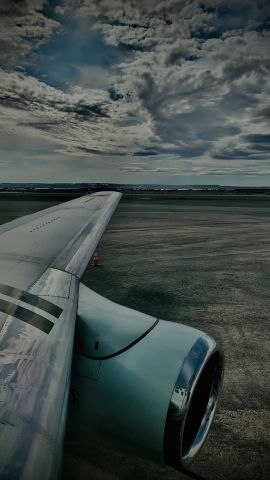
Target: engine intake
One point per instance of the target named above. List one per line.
(192, 405)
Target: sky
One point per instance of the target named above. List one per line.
(145, 91)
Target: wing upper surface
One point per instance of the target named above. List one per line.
(63, 237)
(42, 257)
(36, 345)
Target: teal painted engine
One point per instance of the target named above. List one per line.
(143, 384)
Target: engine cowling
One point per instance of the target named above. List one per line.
(147, 385)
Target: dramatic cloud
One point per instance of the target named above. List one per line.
(23, 28)
(182, 86)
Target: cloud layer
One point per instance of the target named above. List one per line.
(171, 90)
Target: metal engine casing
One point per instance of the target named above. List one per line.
(148, 385)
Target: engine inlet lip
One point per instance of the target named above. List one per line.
(204, 355)
(188, 454)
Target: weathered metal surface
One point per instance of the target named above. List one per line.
(26, 315)
(124, 401)
(33, 300)
(63, 237)
(54, 283)
(35, 360)
(77, 254)
(34, 380)
(105, 328)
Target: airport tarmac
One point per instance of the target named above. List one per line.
(202, 260)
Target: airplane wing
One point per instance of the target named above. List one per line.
(42, 258)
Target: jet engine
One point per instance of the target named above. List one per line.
(148, 385)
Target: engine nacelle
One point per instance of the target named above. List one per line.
(142, 383)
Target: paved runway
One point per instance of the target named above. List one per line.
(202, 260)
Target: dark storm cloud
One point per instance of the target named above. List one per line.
(190, 132)
(114, 95)
(226, 17)
(254, 147)
(95, 151)
(144, 153)
(23, 28)
(263, 113)
(166, 80)
(252, 151)
(257, 138)
(27, 93)
(45, 126)
(85, 111)
(232, 154)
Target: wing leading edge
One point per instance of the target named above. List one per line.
(42, 258)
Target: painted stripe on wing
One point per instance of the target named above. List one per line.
(33, 300)
(26, 316)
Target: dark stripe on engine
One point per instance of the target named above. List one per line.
(33, 300)
(26, 316)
